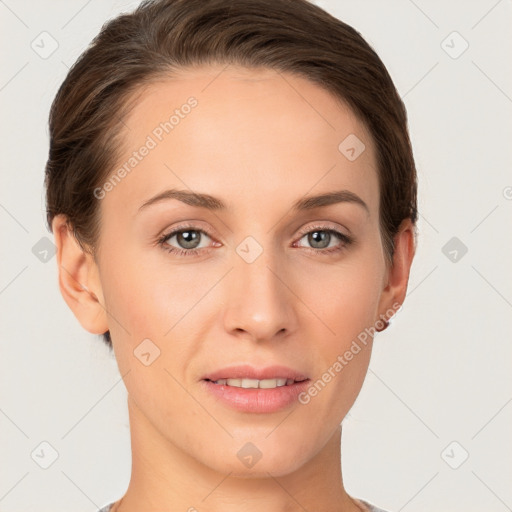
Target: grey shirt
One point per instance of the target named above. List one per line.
(371, 508)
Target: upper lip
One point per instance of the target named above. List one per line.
(246, 371)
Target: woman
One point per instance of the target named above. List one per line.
(232, 191)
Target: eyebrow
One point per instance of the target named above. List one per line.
(213, 203)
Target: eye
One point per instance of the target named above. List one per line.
(184, 240)
(326, 240)
(190, 240)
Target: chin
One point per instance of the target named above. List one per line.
(248, 461)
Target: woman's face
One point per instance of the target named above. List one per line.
(251, 279)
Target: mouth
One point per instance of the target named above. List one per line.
(256, 390)
(247, 383)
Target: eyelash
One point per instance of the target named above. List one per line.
(346, 239)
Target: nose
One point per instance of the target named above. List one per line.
(259, 304)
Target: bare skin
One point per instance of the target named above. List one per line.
(259, 141)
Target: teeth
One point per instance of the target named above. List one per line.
(272, 383)
(255, 383)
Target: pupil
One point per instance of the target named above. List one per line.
(319, 237)
(188, 239)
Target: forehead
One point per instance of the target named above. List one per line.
(242, 133)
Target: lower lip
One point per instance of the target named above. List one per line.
(255, 399)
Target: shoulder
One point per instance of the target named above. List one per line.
(106, 508)
(370, 506)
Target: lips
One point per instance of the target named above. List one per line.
(255, 383)
(256, 390)
(250, 373)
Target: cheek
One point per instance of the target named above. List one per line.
(343, 297)
(147, 296)
(146, 301)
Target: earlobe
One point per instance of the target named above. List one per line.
(393, 295)
(79, 281)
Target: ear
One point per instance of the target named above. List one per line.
(397, 275)
(79, 281)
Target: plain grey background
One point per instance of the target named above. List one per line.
(431, 427)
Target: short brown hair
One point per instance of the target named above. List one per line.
(162, 36)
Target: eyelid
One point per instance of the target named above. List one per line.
(195, 225)
(344, 238)
(192, 225)
(324, 226)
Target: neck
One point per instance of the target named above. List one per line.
(164, 477)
